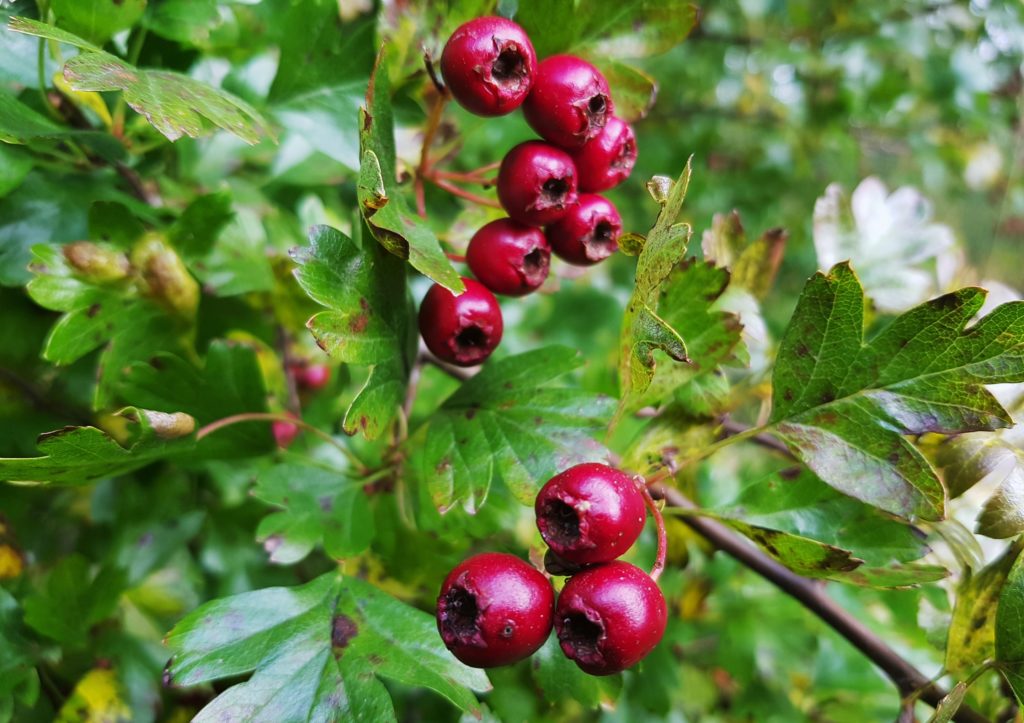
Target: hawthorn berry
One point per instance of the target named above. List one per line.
(489, 65)
(284, 432)
(569, 103)
(462, 329)
(311, 377)
(590, 513)
(610, 617)
(537, 183)
(509, 257)
(494, 609)
(588, 233)
(607, 159)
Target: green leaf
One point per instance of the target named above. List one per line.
(72, 599)
(174, 104)
(505, 422)
(369, 320)
(14, 166)
(842, 405)
(229, 382)
(380, 201)
(633, 89)
(1009, 629)
(752, 264)
(560, 679)
(18, 679)
(97, 20)
(316, 651)
(950, 704)
(195, 231)
(186, 21)
(642, 329)
(972, 631)
(20, 124)
(328, 119)
(78, 455)
(318, 505)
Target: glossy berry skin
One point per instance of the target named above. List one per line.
(509, 257)
(284, 432)
(569, 103)
(610, 617)
(606, 160)
(494, 609)
(489, 66)
(537, 183)
(311, 377)
(588, 233)
(590, 513)
(464, 329)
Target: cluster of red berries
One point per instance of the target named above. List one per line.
(490, 68)
(495, 609)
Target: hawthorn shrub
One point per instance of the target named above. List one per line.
(292, 410)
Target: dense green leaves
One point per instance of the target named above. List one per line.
(72, 600)
(505, 423)
(843, 405)
(315, 651)
(369, 321)
(380, 200)
(1009, 628)
(174, 104)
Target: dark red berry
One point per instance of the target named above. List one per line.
(608, 158)
(537, 183)
(569, 103)
(311, 377)
(590, 513)
(509, 257)
(610, 617)
(462, 329)
(489, 66)
(588, 233)
(284, 432)
(494, 609)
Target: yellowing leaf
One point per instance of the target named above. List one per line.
(96, 699)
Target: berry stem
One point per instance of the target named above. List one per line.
(470, 177)
(461, 193)
(659, 561)
(457, 258)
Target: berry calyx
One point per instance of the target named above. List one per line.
(494, 609)
(509, 257)
(464, 329)
(569, 103)
(590, 513)
(489, 66)
(588, 233)
(608, 158)
(537, 183)
(610, 617)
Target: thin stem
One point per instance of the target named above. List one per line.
(659, 561)
(464, 177)
(51, 109)
(462, 193)
(271, 417)
(457, 258)
(291, 388)
(907, 679)
(732, 429)
(723, 443)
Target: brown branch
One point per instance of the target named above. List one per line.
(907, 679)
(767, 441)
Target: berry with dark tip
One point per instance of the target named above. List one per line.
(590, 513)
(537, 183)
(489, 66)
(509, 257)
(494, 609)
(610, 617)
(463, 329)
(607, 159)
(569, 103)
(588, 233)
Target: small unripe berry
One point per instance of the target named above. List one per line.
(569, 103)
(610, 617)
(606, 160)
(590, 513)
(494, 609)
(509, 257)
(489, 66)
(588, 233)
(463, 329)
(537, 183)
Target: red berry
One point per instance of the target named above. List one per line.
(537, 183)
(610, 617)
(508, 257)
(590, 513)
(284, 432)
(588, 233)
(489, 66)
(606, 160)
(494, 609)
(312, 376)
(462, 329)
(569, 103)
